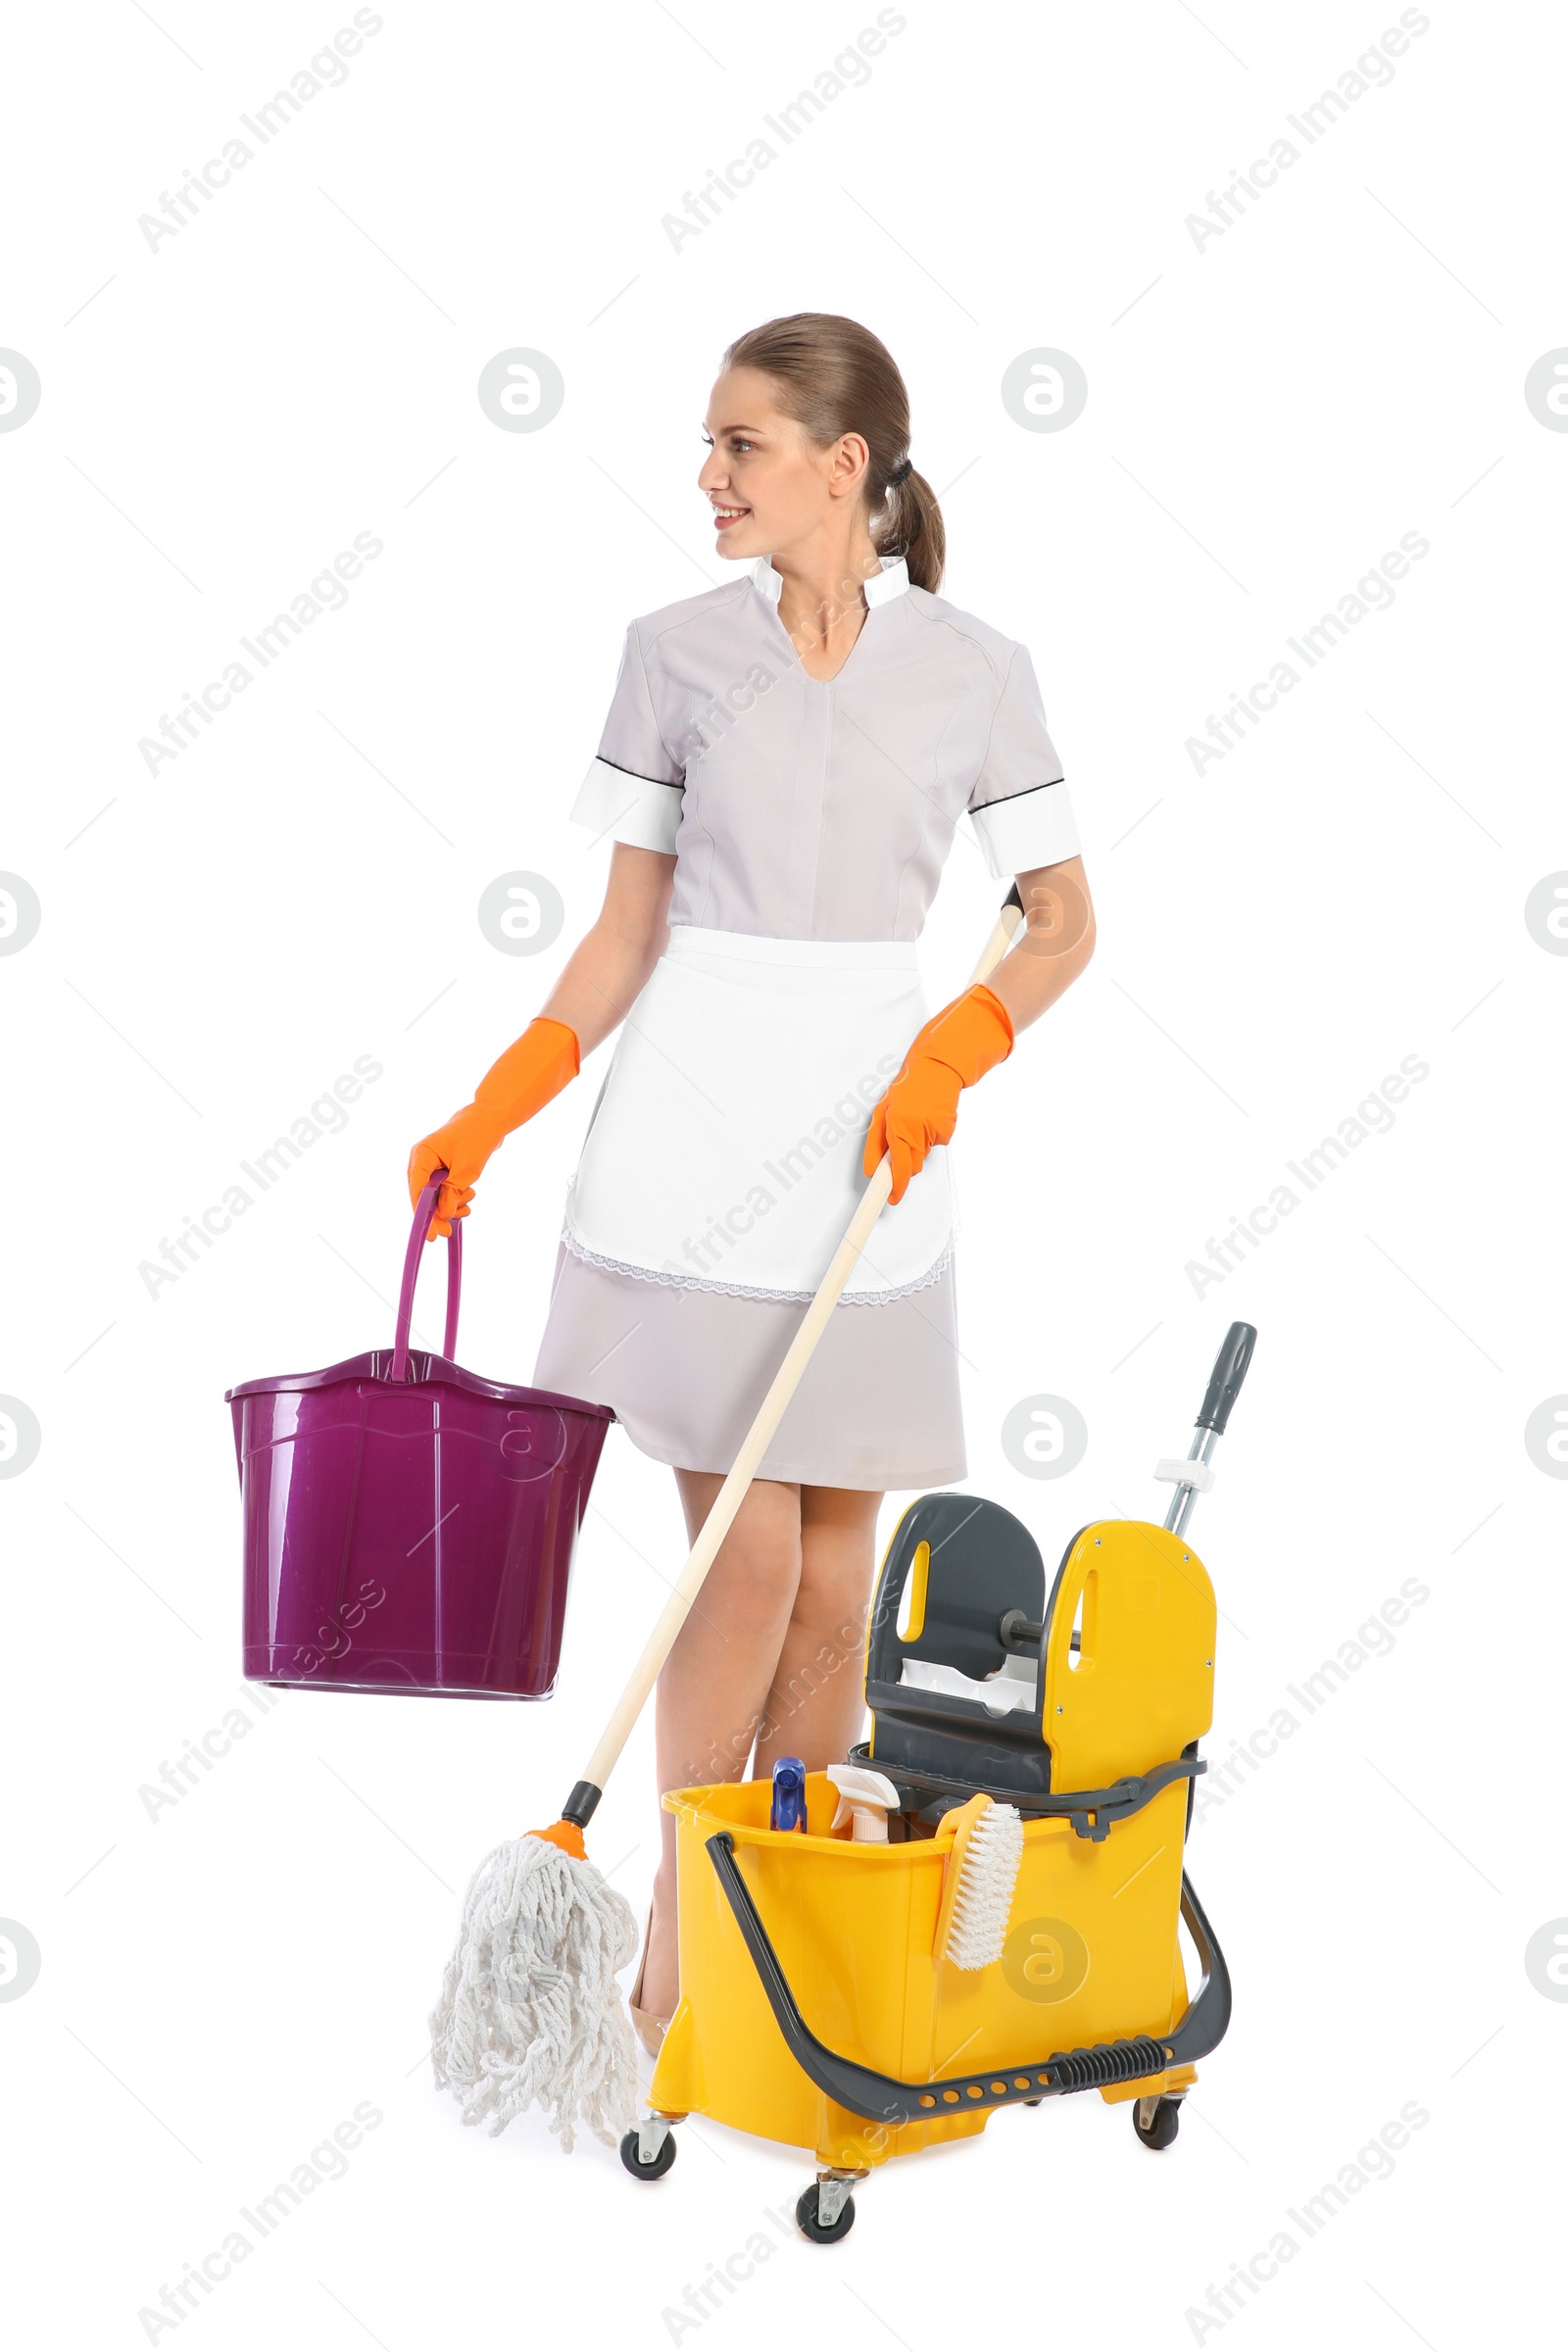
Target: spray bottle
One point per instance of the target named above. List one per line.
(788, 1811)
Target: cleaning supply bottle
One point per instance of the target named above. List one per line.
(866, 1798)
(788, 1811)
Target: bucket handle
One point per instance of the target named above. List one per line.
(399, 1367)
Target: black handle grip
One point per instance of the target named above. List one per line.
(1225, 1381)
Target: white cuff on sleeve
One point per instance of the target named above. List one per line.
(1028, 830)
(638, 810)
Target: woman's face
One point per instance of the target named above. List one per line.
(770, 487)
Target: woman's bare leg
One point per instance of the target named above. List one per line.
(715, 1684)
(816, 1703)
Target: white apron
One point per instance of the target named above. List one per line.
(724, 1151)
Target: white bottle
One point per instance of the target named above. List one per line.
(866, 1797)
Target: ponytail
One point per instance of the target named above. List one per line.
(914, 530)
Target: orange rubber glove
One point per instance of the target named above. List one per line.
(529, 1074)
(920, 1109)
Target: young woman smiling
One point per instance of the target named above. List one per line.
(784, 763)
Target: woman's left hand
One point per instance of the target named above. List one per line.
(920, 1109)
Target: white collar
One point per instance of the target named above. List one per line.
(890, 580)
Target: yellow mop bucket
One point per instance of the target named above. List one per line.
(820, 2003)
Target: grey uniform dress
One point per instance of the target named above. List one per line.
(810, 821)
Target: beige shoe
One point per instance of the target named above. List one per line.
(648, 2028)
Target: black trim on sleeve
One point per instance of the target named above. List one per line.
(679, 784)
(1004, 800)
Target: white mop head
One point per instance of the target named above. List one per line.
(530, 2011)
(988, 1872)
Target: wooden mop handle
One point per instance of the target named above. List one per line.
(716, 1526)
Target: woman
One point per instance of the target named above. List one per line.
(784, 763)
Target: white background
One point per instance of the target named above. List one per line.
(1266, 417)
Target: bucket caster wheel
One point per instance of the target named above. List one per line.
(825, 2211)
(648, 2149)
(1157, 2120)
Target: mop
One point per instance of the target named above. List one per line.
(530, 2012)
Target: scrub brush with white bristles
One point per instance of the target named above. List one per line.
(982, 1873)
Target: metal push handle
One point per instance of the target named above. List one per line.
(1224, 1387)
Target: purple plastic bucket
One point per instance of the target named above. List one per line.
(409, 1526)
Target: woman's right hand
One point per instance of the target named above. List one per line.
(461, 1150)
(528, 1075)
(603, 977)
